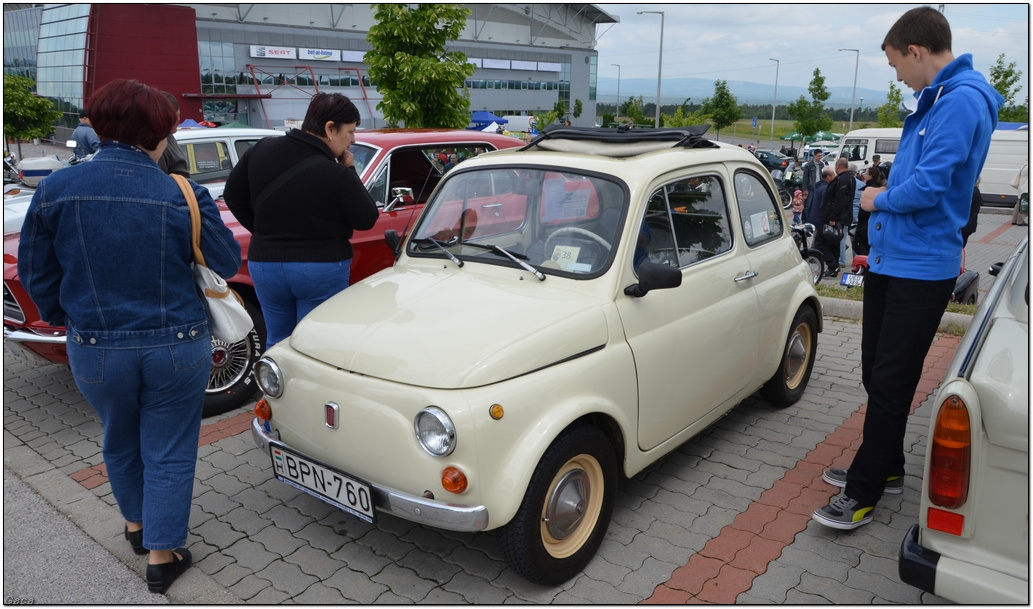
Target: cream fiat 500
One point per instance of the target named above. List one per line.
(558, 316)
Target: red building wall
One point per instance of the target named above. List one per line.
(153, 43)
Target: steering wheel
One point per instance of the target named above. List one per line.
(578, 231)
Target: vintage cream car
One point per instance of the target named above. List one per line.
(971, 543)
(560, 315)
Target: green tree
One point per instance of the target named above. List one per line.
(889, 113)
(1003, 78)
(633, 110)
(26, 115)
(810, 116)
(681, 119)
(422, 84)
(723, 109)
(579, 108)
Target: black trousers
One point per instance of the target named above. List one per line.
(901, 317)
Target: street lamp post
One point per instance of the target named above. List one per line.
(774, 101)
(618, 112)
(853, 96)
(660, 67)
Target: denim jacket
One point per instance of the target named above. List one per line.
(105, 250)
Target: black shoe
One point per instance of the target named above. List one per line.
(160, 577)
(832, 272)
(135, 539)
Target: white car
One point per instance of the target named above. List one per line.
(559, 315)
(971, 543)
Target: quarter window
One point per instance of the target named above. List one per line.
(761, 217)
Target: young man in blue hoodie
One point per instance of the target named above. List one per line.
(915, 237)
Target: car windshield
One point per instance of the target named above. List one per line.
(557, 222)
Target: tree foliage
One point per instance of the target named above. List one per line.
(26, 115)
(723, 108)
(579, 108)
(810, 116)
(1003, 78)
(422, 84)
(889, 113)
(681, 119)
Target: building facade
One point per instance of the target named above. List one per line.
(258, 64)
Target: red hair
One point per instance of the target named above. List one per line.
(131, 112)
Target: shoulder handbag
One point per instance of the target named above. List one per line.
(228, 320)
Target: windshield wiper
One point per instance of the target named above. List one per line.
(517, 258)
(441, 246)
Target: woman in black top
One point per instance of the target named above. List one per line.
(302, 200)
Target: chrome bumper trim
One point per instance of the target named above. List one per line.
(449, 516)
(21, 336)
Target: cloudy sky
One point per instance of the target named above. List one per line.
(736, 41)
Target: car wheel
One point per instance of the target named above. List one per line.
(794, 371)
(232, 381)
(566, 509)
(787, 199)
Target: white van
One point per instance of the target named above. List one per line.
(524, 124)
(1009, 149)
(860, 145)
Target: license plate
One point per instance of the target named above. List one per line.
(332, 486)
(852, 281)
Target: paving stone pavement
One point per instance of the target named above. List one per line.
(722, 519)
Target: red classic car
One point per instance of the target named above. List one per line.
(386, 160)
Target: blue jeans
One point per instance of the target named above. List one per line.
(149, 401)
(288, 291)
(900, 321)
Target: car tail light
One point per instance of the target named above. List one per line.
(950, 459)
(784, 163)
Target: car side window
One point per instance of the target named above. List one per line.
(242, 146)
(208, 160)
(685, 222)
(761, 216)
(419, 169)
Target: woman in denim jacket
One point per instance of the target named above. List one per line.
(105, 251)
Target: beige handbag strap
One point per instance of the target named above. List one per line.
(195, 217)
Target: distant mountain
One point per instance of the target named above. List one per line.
(675, 90)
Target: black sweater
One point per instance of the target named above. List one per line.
(312, 216)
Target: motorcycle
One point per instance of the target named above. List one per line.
(802, 234)
(10, 168)
(966, 287)
(788, 181)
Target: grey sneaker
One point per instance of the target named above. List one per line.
(837, 477)
(843, 513)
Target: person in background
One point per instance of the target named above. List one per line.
(302, 200)
(915, 237)
(1020, 215)
(813, 215)
(811, 176)
(86, 140)
(860, 241)
(836, 212)
(172, 160)
(106, 252)
(798, 200)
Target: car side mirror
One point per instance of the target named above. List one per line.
(995, 269)
(394, 241)
(654, 276)
(402, 196)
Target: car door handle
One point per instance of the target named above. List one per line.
(746, 275)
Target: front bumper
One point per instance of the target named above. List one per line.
(36, 349)
(449, 516)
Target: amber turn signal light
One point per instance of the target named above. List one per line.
(262, 410)
(453, 480)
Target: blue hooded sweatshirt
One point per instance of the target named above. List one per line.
(915, 232)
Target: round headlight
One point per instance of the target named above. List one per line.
(267, 373)
(435, 431)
